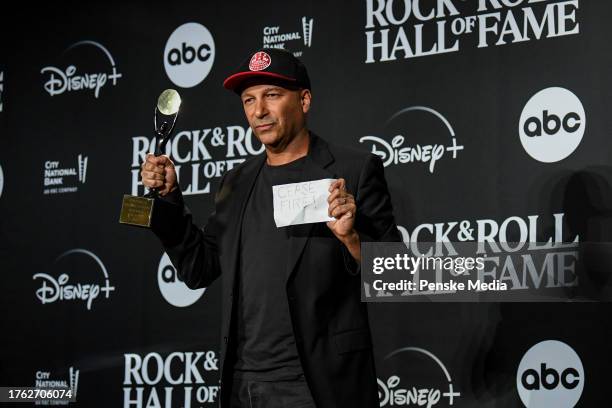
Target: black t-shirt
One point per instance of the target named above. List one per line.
(265, 344)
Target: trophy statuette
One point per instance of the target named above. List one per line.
(135, 210)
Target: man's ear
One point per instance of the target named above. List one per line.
(305, 99)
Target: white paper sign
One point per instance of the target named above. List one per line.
(301, 203)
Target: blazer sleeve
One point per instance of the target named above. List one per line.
(374, 220)
(192, 250)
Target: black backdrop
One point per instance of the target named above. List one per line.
(474, 95)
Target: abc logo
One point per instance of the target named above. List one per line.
(550, 375)
(549, 378)
(189, 55)
(172, 289)
(552, 125)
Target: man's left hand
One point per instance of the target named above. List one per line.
(343, 208)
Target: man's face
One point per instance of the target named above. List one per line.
(275, 114)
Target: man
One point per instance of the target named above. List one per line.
(295, 333)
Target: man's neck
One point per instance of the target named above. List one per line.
(297, 147)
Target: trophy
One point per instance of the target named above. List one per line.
(138, 211)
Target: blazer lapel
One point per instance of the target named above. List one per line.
(315, 168)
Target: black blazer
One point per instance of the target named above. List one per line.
(323, 284)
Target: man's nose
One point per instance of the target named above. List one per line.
(261, 110)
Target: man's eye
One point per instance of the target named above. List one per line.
(248, 100)
(272, 95)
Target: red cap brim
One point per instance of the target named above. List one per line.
(232, 82)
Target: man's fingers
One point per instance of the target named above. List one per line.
(152, 175)
(340, 210)
(152, 183)
(332, 186)
(152, 160)
(342, 184)
(158, 172)
(334, 194)
(165, 190)
(155, 174)
(345, 199)
(153, 167)
(162, 160)
(339, 183)
(338, 203)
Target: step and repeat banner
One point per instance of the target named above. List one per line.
(493, 121)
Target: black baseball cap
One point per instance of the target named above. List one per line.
(272, 65)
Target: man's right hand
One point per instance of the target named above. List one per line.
(158, 172)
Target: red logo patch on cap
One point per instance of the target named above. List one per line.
(259, 61)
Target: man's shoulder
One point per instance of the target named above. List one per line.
(349, 156)
(344, 152)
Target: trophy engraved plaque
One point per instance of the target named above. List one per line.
(138, 211)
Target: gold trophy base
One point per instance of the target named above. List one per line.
(136, 211)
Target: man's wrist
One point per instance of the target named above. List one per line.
(352, 243)
(350, 239)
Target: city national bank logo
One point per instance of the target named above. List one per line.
(70, 79)
(430, 385)
(60, 179)
(192, 152)
(172, 289)
(550, 374)
(410, 29)
(83, 266)
(189, 55)
(44, 380)
(296, 41)
(552, 124)
(416, 120)
(178, 379)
